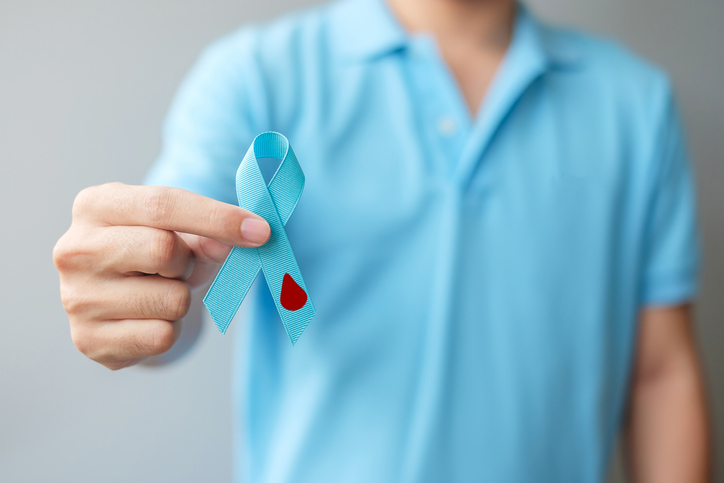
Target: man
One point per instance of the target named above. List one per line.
(497, 232)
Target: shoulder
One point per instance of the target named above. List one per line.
(615, 94)
(608, 69)
(274, 40)
(262, 67)
(625, 98)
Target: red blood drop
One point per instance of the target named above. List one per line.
(293, 296)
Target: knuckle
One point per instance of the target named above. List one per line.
(85, 200)
(162, 338)
(156, 204)
(163, 247)
(82, 340)
(74, 251)
(178, 301)
(72, 300)
(76, 248)
(63, 255)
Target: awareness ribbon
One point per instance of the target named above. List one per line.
(275, 203)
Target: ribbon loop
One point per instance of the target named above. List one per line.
(275, 203)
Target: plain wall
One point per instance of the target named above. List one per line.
(84, 86)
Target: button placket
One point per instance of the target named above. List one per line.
(445, 117)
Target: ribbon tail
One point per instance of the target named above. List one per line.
(231, 285)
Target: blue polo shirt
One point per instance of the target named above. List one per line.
(477, 280)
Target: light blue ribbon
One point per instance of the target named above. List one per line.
(275, 203)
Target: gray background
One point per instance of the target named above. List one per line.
(84, 85)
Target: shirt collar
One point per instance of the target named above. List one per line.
(367, 29)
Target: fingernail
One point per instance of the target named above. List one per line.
(255, 231)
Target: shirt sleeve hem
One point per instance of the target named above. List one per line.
(674, 289)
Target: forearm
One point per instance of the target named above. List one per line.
(667, 436)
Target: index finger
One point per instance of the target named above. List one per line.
(179, 210)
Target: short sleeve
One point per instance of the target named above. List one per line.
(211, 121)
(672, 247)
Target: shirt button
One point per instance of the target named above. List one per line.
(446, 126)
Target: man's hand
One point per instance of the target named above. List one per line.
(667, 436)
(130, 258)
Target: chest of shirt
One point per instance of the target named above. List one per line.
(378, 166)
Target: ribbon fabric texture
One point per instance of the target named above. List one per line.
(275, 203)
